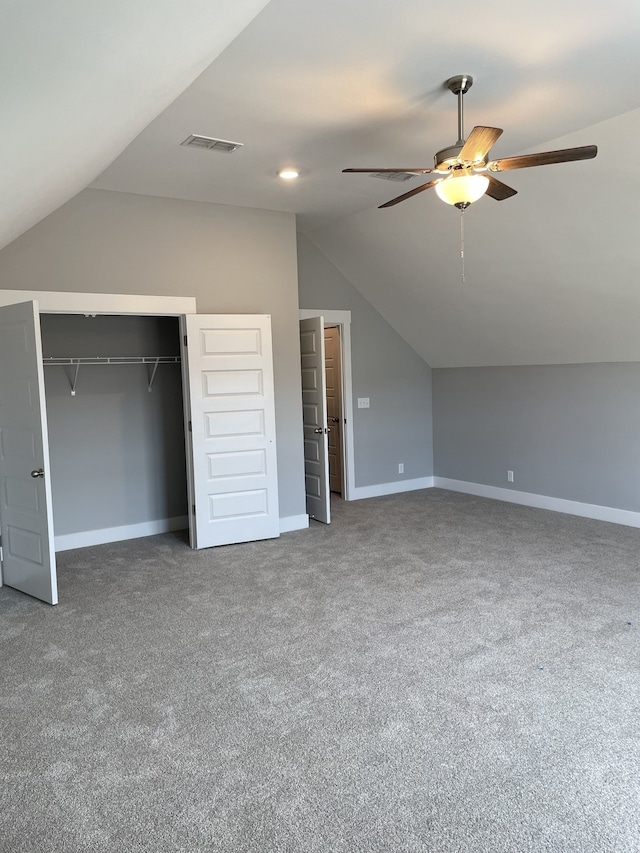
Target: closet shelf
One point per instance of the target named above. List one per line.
(153, 360)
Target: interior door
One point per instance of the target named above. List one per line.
(26, 518)
(231, 435)
(314, 418)
(333, 373)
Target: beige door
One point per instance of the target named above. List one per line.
(333, 372)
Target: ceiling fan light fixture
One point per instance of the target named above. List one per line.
(462, 190)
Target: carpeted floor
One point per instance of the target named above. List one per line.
(432, 672)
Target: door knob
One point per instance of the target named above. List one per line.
(37, 472)
(319, 430)
(335, 420)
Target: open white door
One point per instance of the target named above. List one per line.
(314, 419)
(231, 440)
(26, 518)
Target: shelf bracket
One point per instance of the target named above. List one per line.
(153, 374)
(75, 379)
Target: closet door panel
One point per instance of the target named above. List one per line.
(232, 441)
(26, 519)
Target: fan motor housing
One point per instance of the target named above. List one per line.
(447, 158)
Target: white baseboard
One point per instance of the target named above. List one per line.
(294, 522)
(68, 541)
(601, 513)
(380, 489)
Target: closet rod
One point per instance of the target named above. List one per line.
(155, 360)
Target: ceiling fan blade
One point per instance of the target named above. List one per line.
(411, 193)
(544, 158)
(498, 190)
(480, 141)
(418, 171)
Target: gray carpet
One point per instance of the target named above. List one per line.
(432, 672)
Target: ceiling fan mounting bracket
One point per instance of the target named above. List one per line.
(461, 83)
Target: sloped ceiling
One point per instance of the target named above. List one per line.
(80, 79)
(323, 84)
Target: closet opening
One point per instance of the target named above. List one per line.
(114, 397)
(126, 464)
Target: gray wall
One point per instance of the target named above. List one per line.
(117, 450)
(398, 426)
(567, 431)
(233, 260)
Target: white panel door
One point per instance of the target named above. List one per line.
(26, 518)
(232, 447)
(314, 419)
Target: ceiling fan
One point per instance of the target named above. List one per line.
(464, 173)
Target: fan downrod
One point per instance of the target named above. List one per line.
(447, 158)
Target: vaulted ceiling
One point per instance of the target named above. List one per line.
(551, 274)
(80, 79)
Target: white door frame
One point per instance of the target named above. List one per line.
(57, 302)
(343, 320)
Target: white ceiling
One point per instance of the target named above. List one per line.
(325, 84)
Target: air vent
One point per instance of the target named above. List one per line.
(399, 177)
(211, 144)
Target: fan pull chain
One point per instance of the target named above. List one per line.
(462, 243)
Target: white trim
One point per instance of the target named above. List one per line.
(68, 541)
(342, 319)
(330, 315)
(601, 513)
(391, 488)
(56, 302)
(294, 522)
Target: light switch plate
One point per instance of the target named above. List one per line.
(363, 402)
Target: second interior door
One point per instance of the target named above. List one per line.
(314, 419)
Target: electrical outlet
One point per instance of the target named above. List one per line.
(363, 402)
(509, 476)
(400, 467)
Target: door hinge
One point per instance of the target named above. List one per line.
(190, 427)
(185, 340)
(193, 507)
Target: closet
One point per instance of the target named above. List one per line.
(113, 390)
(111, 426)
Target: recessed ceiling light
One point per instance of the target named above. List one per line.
(288, 174)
